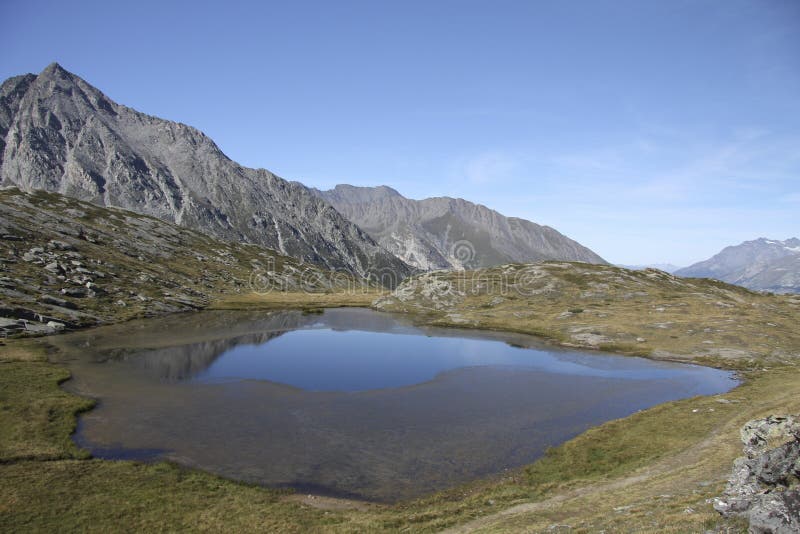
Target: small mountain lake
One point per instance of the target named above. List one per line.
(349, 402)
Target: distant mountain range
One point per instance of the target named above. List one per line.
(762, 264)
(60, 134)
(450, 233)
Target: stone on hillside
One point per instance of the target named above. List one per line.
(60, 245)
(763, 486)
(77, 292)
(55, 301)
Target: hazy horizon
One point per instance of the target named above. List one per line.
(650, 132)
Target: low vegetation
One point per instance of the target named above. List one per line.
(359, 297)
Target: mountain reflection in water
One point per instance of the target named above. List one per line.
(349, 402)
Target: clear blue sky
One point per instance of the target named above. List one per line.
(650, 131)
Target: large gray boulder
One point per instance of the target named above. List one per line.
(763, 486)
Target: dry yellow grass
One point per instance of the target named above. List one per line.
(647, 313)
(297, 300)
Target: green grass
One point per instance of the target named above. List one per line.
(36, 416)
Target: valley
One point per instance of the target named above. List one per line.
(192, 344)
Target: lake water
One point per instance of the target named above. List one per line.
(350, 402)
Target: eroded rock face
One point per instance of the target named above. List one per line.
(764, 485)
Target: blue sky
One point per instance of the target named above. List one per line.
(650, 131)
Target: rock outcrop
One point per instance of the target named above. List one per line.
(765, 484)
(450, 233)
(60, 134)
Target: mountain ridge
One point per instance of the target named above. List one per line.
(61, 134)
(761, 264)
(450, 233)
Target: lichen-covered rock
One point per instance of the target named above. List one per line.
(423, 292)
(763, 486)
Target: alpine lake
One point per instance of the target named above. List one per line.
(349, 402)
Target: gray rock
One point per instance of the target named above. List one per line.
(60, 245)
(763, 486)
(55, 301)
(77, 292)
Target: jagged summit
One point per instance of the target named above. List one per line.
(353, 193)
(54, 69)
(59, 133)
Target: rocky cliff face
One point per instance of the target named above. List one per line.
(58, 133)
(762, 264)
(450, 233)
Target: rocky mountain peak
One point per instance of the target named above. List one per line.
(59, 133)
(55, 71)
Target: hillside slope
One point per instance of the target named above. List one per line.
(450, 233)
(649, 312)
(66, 263)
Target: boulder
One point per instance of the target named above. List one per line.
(55, 301)
(60, 245)
(764, 486)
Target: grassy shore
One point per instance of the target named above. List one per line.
(651, 472)
(645, 313)
(361, 297)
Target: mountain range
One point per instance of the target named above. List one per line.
(761, 264)
(450, 233)
(60, 134)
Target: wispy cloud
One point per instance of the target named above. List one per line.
(488, 167)
(673, 194)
